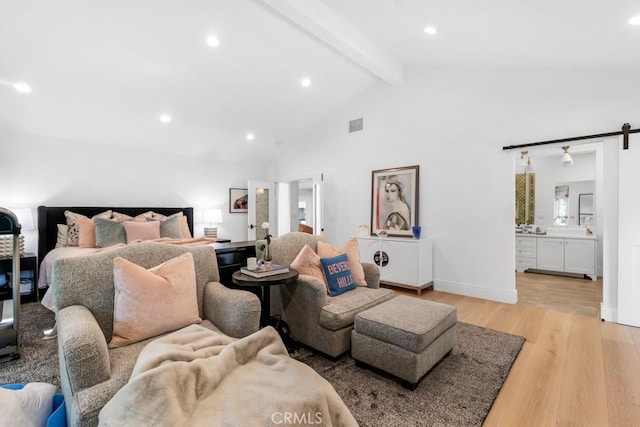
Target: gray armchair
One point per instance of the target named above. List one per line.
(83, 293)
(315, 318)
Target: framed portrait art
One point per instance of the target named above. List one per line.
(238, 200)
(394, 201)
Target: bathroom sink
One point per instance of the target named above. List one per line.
(566, 231)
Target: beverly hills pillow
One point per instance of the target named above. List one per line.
(338, 274)
(307, 262)
(352, 250)
(29, 406)
(151, 302)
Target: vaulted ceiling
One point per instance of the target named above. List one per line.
(103, 72)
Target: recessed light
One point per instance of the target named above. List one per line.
(430, 30)
(165, 118)
(306, 82)
(635, 20)
(213, 41)
(22, 87)
(250, 136)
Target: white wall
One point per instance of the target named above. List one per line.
(44, 171)
(454, 123)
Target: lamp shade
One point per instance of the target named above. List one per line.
(213, 216)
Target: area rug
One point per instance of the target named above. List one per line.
(459, 391)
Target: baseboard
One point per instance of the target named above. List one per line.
(608, 314)
(509, 297)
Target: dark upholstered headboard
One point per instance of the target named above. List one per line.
(50, 216)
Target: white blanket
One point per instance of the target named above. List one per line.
(197, 377)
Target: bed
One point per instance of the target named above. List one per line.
(50, 216)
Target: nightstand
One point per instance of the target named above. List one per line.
(28, 277)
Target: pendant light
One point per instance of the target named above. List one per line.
(567, 160)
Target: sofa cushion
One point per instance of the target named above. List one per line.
(341, 310)
(352, 250)
(338, 274)
(150, 302)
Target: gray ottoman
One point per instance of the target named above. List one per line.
(404, 336)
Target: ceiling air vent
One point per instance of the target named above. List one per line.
(355, 125)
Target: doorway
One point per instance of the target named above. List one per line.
(551, 207)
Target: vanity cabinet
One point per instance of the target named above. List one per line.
(567, 255)
(525, 253)
(405, 263)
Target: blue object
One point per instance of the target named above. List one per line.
(58, 417)
(338, 274)
(416, 231)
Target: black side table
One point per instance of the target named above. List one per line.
(29, 267)
(263, 285)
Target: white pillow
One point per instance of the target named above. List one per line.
(27, 407)
(61, 238)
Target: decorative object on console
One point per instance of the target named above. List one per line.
(212, 216)
(416, 229)
(394, 200)
(238, 200)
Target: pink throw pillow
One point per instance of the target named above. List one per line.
(307, 262)
(351, 248)
(141, 230)
(87, 232)
(151, 302)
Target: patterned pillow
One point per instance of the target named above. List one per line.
(73, 230)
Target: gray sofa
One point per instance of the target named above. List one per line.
(315, 318)
(83, 293)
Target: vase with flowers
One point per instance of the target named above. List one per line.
(266, 252)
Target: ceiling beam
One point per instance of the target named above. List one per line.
(329, 27)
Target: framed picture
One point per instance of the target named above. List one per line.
(394, 201)
(238, 200)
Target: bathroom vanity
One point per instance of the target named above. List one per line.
(564, 251)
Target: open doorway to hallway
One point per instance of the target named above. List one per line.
(569, 238)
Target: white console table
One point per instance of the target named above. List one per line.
(405, 263)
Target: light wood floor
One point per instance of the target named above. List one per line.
(566, 294)
(573, 370)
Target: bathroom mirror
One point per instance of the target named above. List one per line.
(570, 200)
(585, 209)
